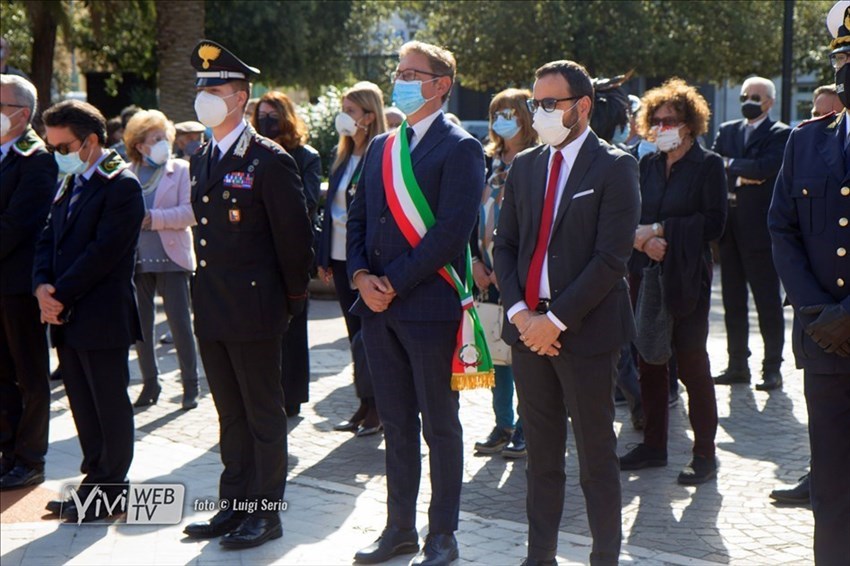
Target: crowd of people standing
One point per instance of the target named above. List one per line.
(588, 218)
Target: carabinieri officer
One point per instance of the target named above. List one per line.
(253, 242)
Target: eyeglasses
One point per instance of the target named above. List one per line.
(506, 113)
(548, 104)
(7, 105)
(410, 74)
(666, 122)
(754, 97)
(837, 60)
(62, 148)
(272, 115)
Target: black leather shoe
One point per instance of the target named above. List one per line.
(254, 530)
(292, 410)
(6, 465)
(642, 456)
(148, 396)
(392, 542)
(440, 550)
(364, 430)
(517, 447)
(535, 562)
(770, 380)
(700, 470)
(797, 495)
(495, 442)
(733, 375)
(190, 397)
(21, 476)
(62, 507)
(218, 525)
(347, 426)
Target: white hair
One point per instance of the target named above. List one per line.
(766, 83)
(24, 90)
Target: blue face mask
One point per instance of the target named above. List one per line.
(71, 164)
(505, 128)
(407, 96)
(621, 134)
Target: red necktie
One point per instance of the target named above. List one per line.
(535, 271)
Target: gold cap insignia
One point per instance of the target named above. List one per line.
(208, 53)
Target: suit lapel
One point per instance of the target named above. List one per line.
(585, 157)
(758, 133)
(231, 161)
(831, 147)
(430, 140)
(199, 173)
(90, 188)
(8, 160)
(537, 190)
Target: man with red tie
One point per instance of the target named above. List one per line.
(565, 234)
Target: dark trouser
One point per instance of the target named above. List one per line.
(828, 402)
(548, 387)
(24, 388)
(413, 363)
(690, 335)
(244, 380)
(96, 383)
(346, 296)
(173, 287)
(295, 356)
(738, 267)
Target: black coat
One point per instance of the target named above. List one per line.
(27, 186)
(253, 241)
(89, 257)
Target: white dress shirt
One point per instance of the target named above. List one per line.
(569, 153)
(339, 212)
(227, 141)
(420, 128)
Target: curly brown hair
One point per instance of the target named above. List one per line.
(685, 100)
(293, 130)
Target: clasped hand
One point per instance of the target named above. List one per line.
(50, 307)
(831, 329)
(376, 292)
(538, 333)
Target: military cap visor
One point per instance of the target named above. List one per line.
(215, 65)
(838, 24)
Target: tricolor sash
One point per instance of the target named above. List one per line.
(472, 366)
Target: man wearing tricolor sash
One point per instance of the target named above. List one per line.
(407, 234)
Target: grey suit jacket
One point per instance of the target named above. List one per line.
(592, 237)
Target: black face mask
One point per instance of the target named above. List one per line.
(751, 110)
(842, 83)
(269, 127)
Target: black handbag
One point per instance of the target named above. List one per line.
(653, 318)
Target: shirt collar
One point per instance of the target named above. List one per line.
(570, 151)
(758, 122)
(7, 147)
(420, 128)
(227, 141)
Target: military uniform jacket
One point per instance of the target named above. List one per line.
(89, 257)
(27, 185)
(809, 223)
(757, 160)
(253, 240)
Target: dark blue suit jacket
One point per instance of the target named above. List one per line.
(449, 166)
(89, 258)
(323, 252)
(809, 223)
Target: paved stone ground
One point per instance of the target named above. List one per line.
(336, 487)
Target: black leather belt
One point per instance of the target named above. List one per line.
(543, 306)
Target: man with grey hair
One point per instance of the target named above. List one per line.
(27, 183)
(825, 100)
(752, 151)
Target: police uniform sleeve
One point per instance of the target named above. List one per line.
(290, 227)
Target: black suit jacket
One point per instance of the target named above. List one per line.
(758, 160)
(27, 186)
(592, 237)
(253, 241)
(89, 257)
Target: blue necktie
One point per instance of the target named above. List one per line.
(79, 181)
(409, 133)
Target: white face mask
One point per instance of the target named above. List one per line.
(668, 139)
(345, 124)
(159, 153)
(550, 125)
(212, 109)
(6, 123)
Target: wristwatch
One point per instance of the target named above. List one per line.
(655, 228)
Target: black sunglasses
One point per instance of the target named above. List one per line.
(753, 97)
(548, 104)
(62, 148)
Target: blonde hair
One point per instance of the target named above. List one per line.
(689, 105)
(140, 125)
(370, 99)
(514, 99)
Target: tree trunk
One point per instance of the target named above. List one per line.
(44, 26)
(179, 27)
